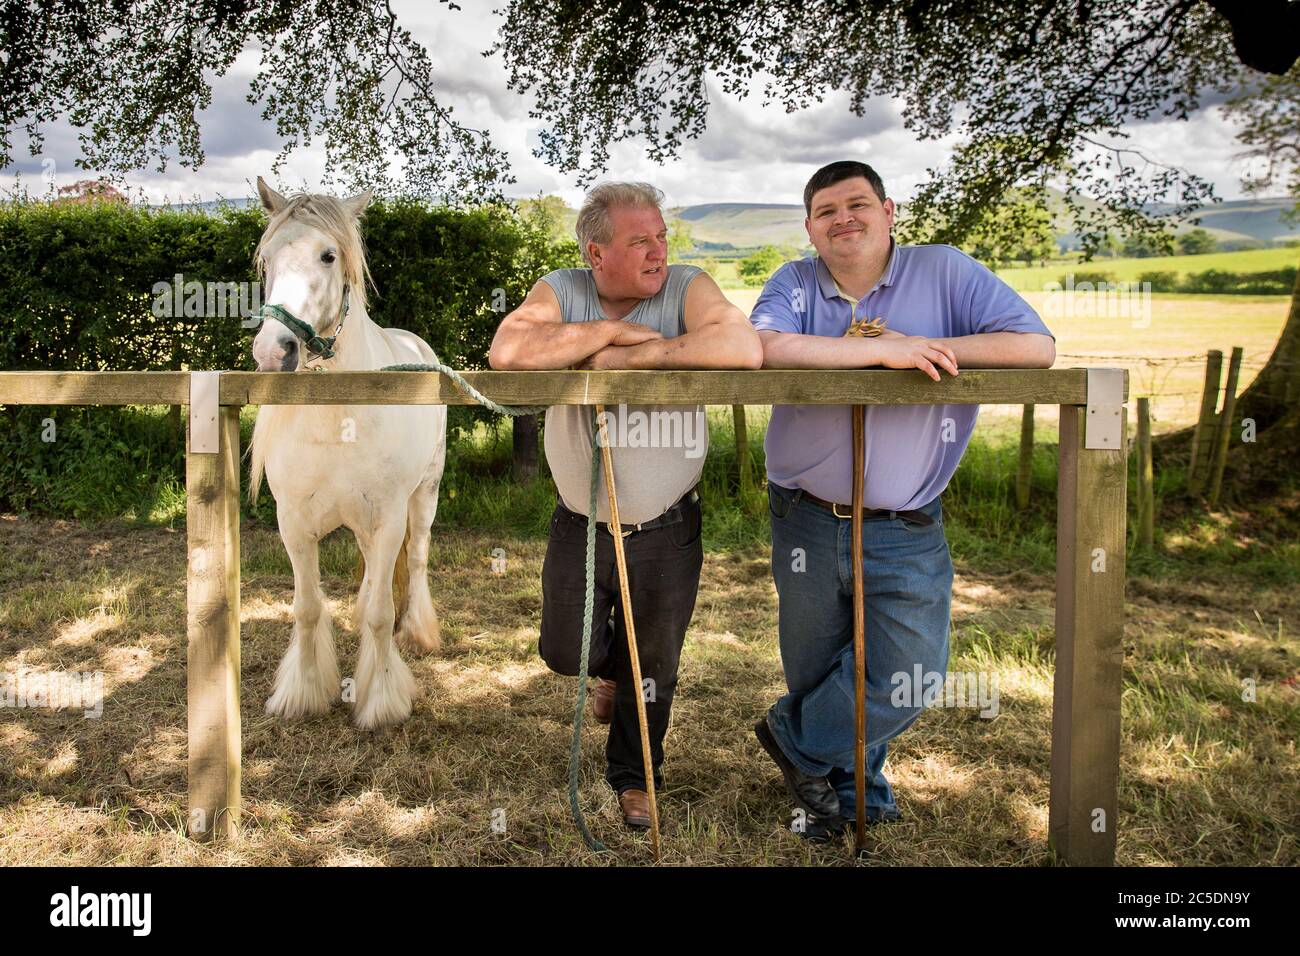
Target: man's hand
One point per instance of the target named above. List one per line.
(915, 351)
(630, 333)
(614, 355)
(717, 335)
(609, 358)
(534, 336)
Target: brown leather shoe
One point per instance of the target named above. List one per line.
(602, 701)
(635, 805)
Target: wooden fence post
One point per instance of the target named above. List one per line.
(212, 540)
(1200, 458)
(1223, 432)
(1025, 468)
(1090, 544)
(1145, 477)
(744, 466)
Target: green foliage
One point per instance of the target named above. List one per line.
(80, 281)
(83, 462)
(709, 265)
(1079, 278)
(1211, 281)
(1145, 245)
(1033, 97)
(680, 241)
(1276, 282)
(134, 76)
(1267, 112)
(1159, 281)
(552, 212)
(757, 268)
(1196, 243)
(1019, 229)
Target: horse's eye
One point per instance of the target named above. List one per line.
(327, 257)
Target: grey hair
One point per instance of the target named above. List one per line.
(594, 224)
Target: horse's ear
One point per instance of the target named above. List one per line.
(272, 201)
(357, 204)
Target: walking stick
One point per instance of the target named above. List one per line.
(864, 328)
(616, 532)
(859, 638)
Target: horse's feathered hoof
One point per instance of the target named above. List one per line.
(384, 695)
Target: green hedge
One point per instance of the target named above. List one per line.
(79, 286)
(1211, 281)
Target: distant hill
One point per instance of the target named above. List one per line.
(745, 225)
(1260, 219)
(722, 226)
(211, 206)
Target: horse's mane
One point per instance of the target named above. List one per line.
(331, 217)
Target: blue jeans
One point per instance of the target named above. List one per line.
(907, 577)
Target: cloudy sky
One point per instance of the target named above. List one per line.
(748, 154)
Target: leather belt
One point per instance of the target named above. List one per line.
(846, 511)
(671, 516)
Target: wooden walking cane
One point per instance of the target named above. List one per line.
(616, 533)
(866, 329)
(859, 637)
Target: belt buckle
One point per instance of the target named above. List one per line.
(835, 510)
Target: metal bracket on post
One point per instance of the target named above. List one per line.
(205, 405)
(1102, 423)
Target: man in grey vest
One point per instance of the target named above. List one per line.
(629, 310)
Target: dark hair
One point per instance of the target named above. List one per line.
(838, 172)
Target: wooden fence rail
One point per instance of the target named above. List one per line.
(1091, 490)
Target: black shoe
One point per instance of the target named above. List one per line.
(819, 830)
(814, 794)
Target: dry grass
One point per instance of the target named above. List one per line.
(1206, 778)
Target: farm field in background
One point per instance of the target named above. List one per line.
(1033, 278)
(1165, 358)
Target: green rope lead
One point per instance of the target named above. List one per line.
(589, 602)
(575, 749)
(458, 380)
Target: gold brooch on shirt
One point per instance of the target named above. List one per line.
(866, 328)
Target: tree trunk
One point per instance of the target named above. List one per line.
(1276, 391)
(1272, 402)
(524, 440)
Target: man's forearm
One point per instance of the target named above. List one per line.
(713, 346)
(1003, 350)
(551, 345)
(793, 350)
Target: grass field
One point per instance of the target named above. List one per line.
(1128, 270)
(1210, 774)
(1034, 278)
(1207, 777)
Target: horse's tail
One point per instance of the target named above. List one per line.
(257, 454)
(401, 578)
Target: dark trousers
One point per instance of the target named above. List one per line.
(663, 569)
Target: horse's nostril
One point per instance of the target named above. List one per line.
(290, 347)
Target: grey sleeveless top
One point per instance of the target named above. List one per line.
(658, 449)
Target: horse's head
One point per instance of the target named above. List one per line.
(313, 266)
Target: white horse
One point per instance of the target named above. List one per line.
(373, 468)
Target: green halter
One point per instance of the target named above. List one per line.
(315, 344)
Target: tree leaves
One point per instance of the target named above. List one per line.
(1040, 92)
(133, 76)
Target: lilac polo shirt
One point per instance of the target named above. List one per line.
(911, 450)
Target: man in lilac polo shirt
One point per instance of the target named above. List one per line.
(943, 310)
